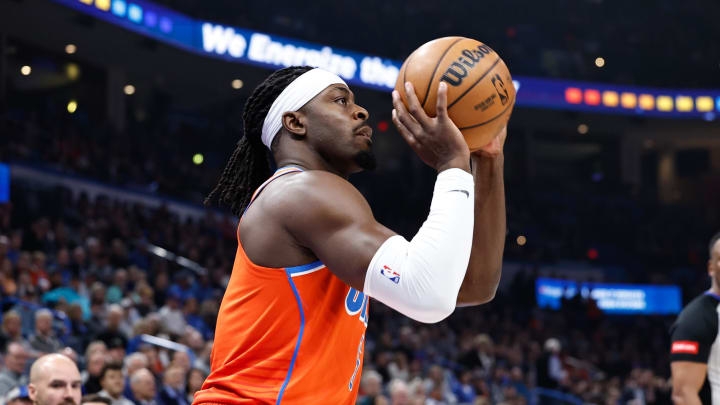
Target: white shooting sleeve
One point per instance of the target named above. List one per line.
(421, 278)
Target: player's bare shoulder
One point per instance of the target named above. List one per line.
(301, 200)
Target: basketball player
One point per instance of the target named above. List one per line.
(291, 327)
(695, 353)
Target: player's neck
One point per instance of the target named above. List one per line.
(309, 164)
(292, 153)
(307, 160)
(714, 288)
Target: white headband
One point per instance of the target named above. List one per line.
(296, 95)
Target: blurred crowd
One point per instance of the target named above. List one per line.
(560, 220)
(510, 352)
(76, 278)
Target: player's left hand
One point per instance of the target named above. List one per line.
(495, 147)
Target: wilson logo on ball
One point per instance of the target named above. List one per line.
(458, 70)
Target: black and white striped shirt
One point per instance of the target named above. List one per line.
(694, 337)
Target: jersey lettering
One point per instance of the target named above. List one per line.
(357, 302)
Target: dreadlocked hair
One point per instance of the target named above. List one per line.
(250, 162)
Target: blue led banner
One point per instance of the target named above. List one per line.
(269, 51)
(4, 183)
(611, 298)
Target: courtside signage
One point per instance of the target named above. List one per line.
(611, 298)
(4, 183)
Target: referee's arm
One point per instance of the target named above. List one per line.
(687, 379)
(692, 336)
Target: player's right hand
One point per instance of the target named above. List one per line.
(436, 140)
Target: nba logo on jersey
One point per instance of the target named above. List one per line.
(393, 275)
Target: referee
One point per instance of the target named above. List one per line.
(695, 350)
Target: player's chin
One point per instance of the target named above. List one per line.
(365, 159)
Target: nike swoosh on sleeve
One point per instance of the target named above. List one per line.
(467, 194)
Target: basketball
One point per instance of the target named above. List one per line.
(481, 94)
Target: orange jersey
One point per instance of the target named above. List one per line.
(292, 335)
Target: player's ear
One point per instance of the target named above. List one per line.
(294, 122)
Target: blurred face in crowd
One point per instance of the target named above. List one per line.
(174, 377)
(16, 358)
(79, 255)
(96, 363)
(113, 382)
(63, 257)
(161, 281)
(12, 325)
(516, 374)
(114, 317)
(142, 384)
(4, 245)
(195, 380)
(6, 267)
(181, 360)
(436, 374)
(55, 380)
(24, 261)
(399, 394)
(43, 324)
(152, 355)
(97, 346)
(371, 385)
(39, 260)
(194, 339)
(120, 278)
(136, 363)
(117, 354)
(191, 306)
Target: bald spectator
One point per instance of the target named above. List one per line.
(44, 340)
(13, 373)
(142, 384)
(399, 393)
(112, 381)
(54, 380)
(173, 390)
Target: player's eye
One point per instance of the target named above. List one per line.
(341, 100)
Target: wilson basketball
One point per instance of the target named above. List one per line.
(481, 93)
